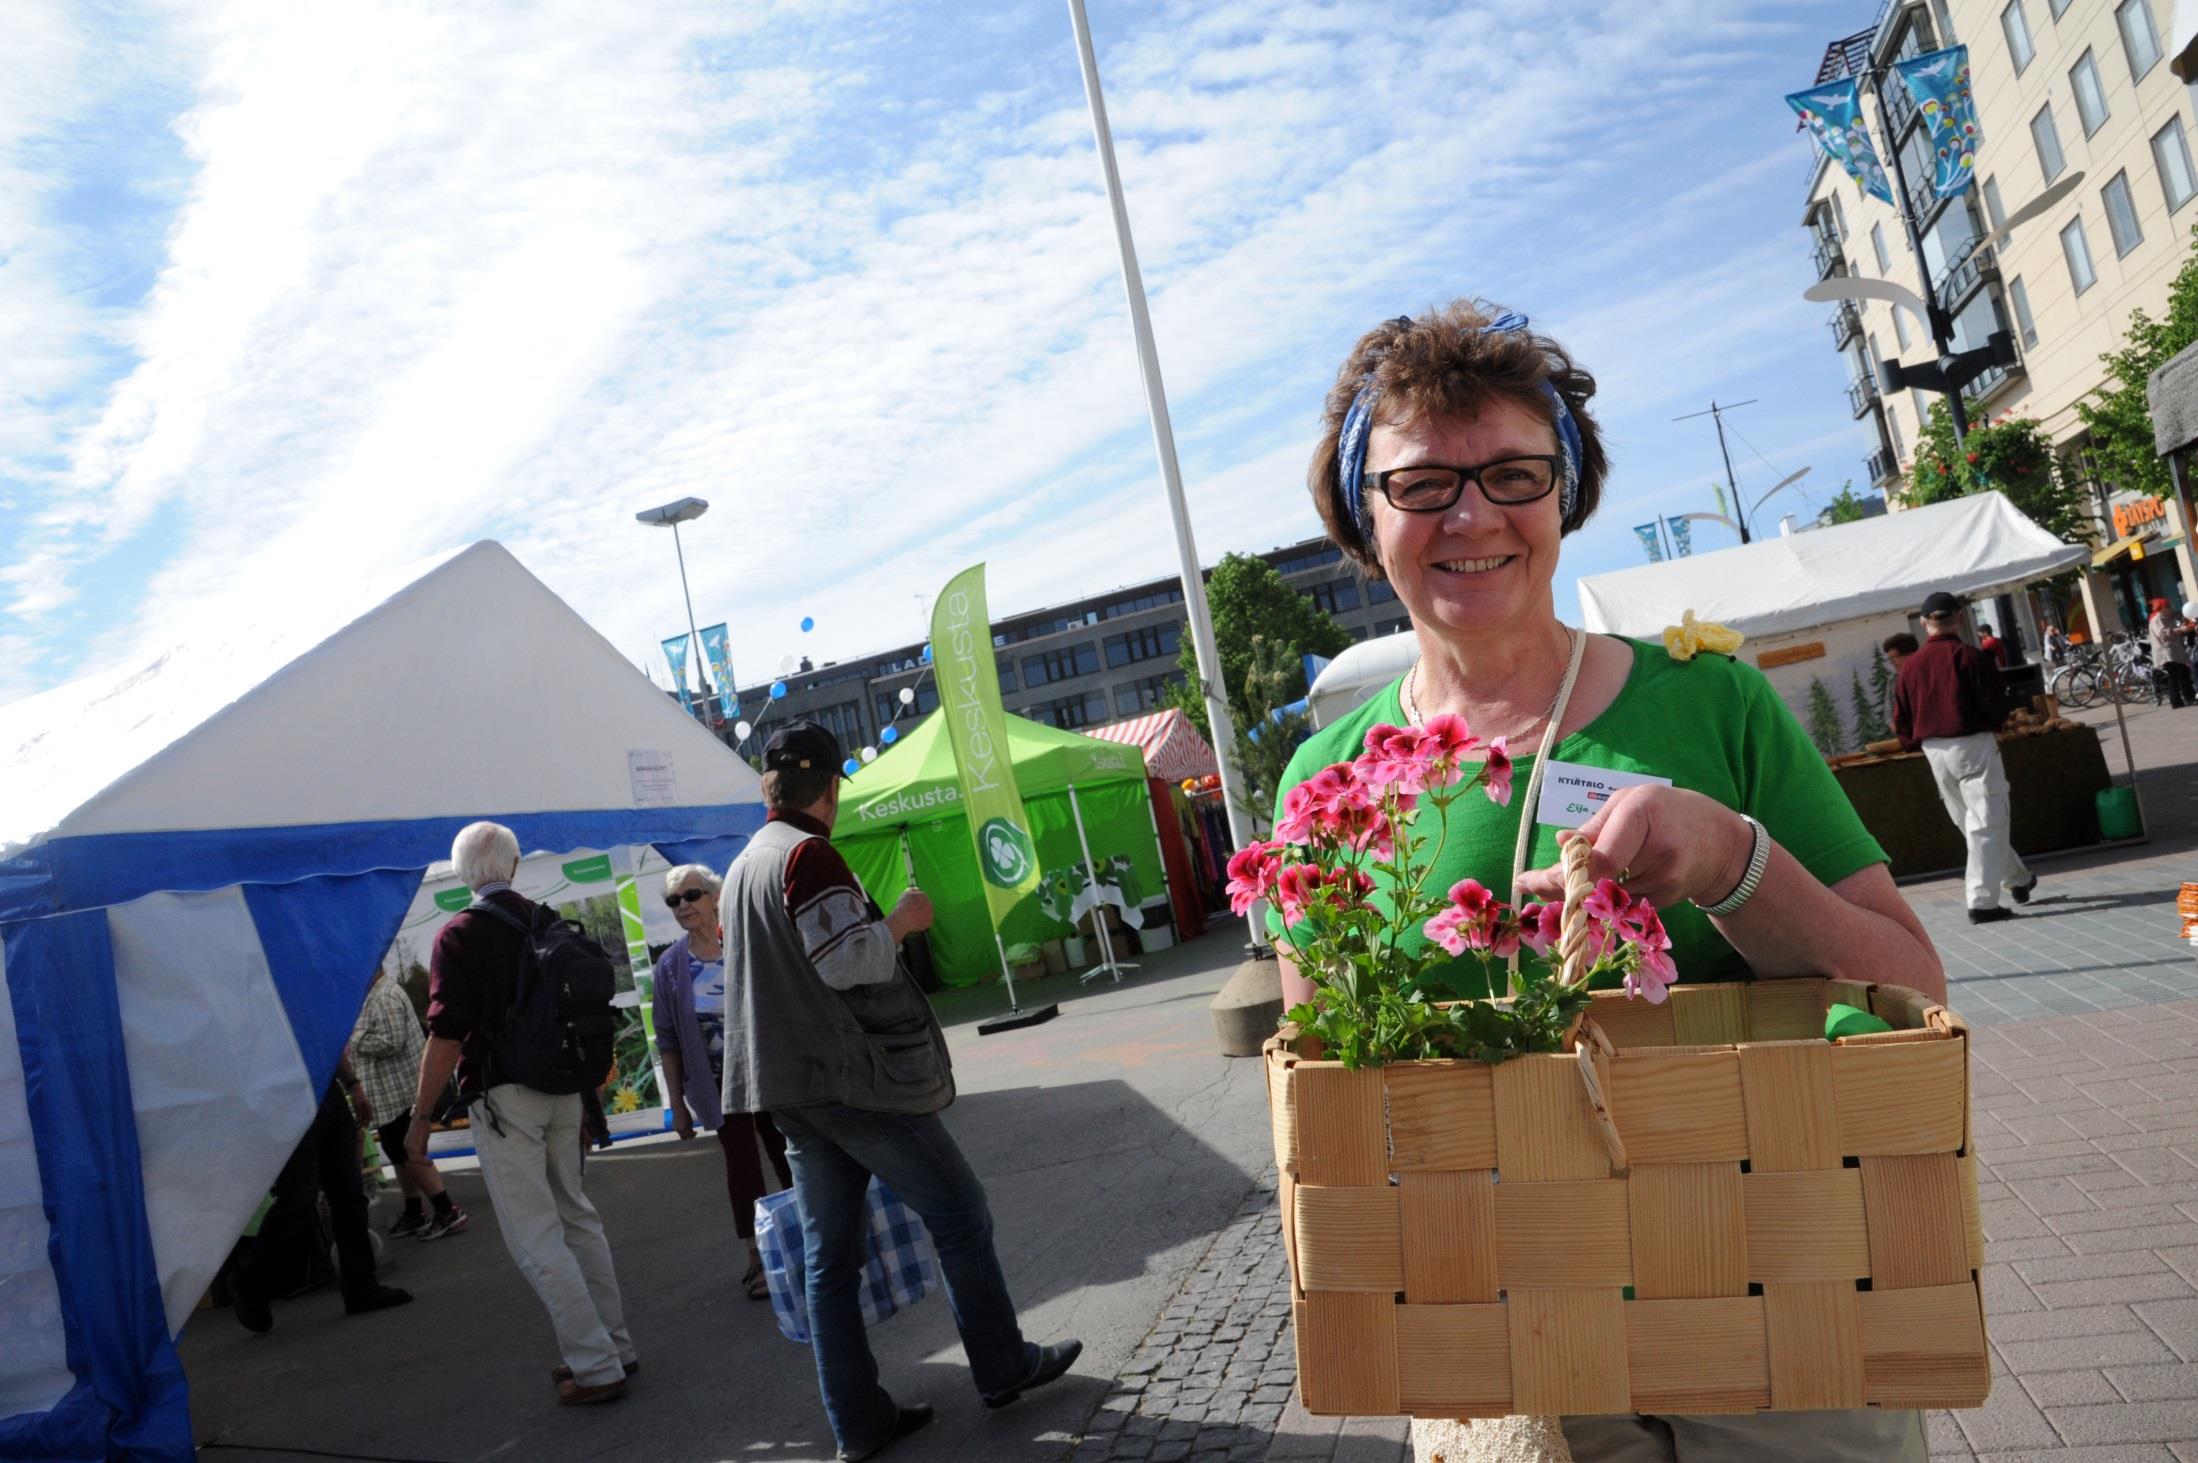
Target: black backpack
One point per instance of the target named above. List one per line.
(557, 1036)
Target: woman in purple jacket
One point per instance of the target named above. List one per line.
(689, 1010)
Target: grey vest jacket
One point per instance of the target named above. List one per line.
(793, 1041)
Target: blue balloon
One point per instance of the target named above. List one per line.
(850, 767)
(778, 690)
(890, 735)
(927, 653)
(807, 624)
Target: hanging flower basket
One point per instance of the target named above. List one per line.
(1704, 1206)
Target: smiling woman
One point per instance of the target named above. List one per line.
(1458, 453)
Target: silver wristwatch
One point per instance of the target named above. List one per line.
(1759, 857)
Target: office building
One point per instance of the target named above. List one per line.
(1084, 663)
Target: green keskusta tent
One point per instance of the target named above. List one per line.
(912, 788)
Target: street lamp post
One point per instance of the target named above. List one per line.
(670, 516)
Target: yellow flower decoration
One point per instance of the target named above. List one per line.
(1690, 637)
(625, 1099)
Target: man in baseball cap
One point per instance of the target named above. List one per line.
(1949, 703)
(826, 1031)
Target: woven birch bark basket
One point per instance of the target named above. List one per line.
(1704, 1207)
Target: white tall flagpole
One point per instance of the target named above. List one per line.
(1163, 441)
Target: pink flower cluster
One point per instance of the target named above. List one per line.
(1475, 919)
(1616, 919)
(1258, 872)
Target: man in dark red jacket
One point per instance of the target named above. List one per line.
(1948, 702)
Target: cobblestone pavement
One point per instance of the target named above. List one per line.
(2086, 1115)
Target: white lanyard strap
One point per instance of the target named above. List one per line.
(1534, 779)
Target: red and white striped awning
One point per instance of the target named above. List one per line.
(1172, 746)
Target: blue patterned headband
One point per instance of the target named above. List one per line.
(1358, 423)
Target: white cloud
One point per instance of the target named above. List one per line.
(521, 270)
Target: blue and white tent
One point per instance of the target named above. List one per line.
(201, 859)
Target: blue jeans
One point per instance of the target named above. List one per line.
(833, 1151)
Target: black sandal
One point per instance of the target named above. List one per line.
(758, 1284)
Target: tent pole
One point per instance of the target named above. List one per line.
(1108, 965)
(1013, 1008)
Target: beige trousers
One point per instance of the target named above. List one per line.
(532, 1170)
(1972, 783)
(1864, 1435)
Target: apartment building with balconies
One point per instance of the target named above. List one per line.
(2058, 85)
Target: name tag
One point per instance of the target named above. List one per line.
(1573, 793)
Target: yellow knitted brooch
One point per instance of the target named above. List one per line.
(1690, 637)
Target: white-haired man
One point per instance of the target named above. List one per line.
(528, 1141)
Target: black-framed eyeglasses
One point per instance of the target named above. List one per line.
(685, 896)
(1507, 480)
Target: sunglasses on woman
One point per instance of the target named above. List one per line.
(685, 896)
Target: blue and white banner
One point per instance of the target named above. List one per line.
(1650, 541)
(1682, 536)
(1939, 82)
(675, 652)
(717, 648)
(1833, 115)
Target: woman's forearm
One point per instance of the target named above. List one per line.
(1859, 929)
(675, 1073)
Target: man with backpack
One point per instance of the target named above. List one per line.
(519, 1004)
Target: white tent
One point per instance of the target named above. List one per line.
(1357, 672)
(1968, 546)
(201, 859)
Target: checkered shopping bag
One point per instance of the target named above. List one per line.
(900, 1269)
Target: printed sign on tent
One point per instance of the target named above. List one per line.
(1833, 114)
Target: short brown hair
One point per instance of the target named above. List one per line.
(792, 788)
(1447, 363)
(1901, 644)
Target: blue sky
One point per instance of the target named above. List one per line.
(295, 294)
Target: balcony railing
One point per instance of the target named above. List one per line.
(1882, 468)
(1961, 279)
(1900, 107)
(1846, 325)
(1923, 202)
(1993, 381)
(1862, 395)
(1830, 257)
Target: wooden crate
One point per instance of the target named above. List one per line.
(1796, 1226)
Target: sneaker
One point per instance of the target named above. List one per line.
(1990, 916)
(1052, 1362)
(909, 1420)
(564, 1373)
(2022, 892)
(443, 1224)
(573, 1394)
(412, 1221)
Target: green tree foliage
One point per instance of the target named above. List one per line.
(1868, 717)
(2118, 416)
(2009, 454)
(1847, 505)
(1266, 735)
(1250, 601)
(1823, 720)
(1881, 688)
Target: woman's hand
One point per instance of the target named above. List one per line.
(1664, 844)
(683, 1121)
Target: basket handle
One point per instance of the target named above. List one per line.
(1592, 1048)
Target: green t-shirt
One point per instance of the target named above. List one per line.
(1712, 725)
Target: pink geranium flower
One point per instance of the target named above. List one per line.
(1251, 870)
(1539, 926)
(1449, 736)
(1296, 823)
(1606, 901)
(1496, 774)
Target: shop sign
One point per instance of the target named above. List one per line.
(2136, 513)
(1791, 654)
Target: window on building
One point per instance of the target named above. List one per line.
(2058, 7)
(1381, 591)
(2140, 42)
(1060, 663)
(1900, 328)
(2077, 249)
(1089, 709)
(2121, 214)
(1334, 597)
(1995, 212)
(2017, 29)
(1144, 695)
(2083, 79)
(1945, 19)
(2018, 295)
(1172, 595)
(1892, 426)
(844, 721)
(1839, 217)
(1875, 357)
(1314, 558)
(1877, 243)
(888, 704)
(2171, 155)
(1146, 643)
(2047, 139)
(1007, 673)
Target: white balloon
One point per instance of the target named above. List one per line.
(786, 666)
(869, 754)
(908, 695)
(741, 730)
